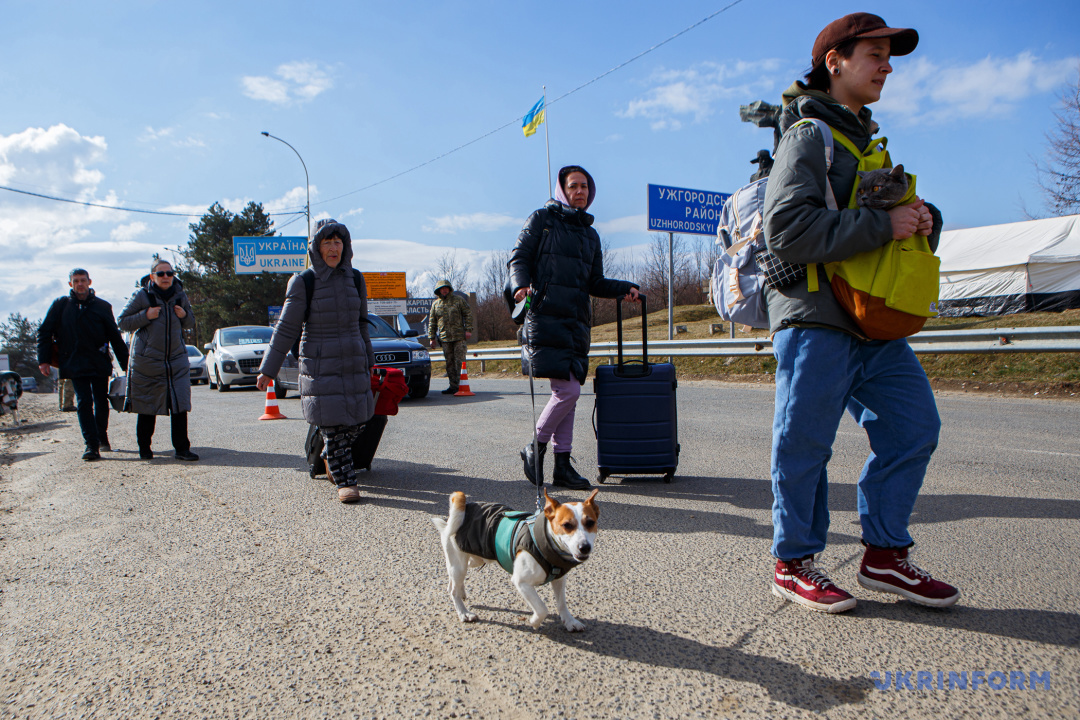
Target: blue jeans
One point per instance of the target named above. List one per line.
(819, 374)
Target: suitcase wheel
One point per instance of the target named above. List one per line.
(602, 477)
(668, 477)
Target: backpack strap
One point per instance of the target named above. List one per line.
(827, 134)
(308, 276)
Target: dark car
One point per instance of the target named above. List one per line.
(392, 349)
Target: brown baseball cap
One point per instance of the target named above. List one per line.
(862, 25)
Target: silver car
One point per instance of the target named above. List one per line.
(234, 355)
(198, 366)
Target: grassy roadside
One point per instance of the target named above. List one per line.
(1031, 374)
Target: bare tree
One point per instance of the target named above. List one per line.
(493, 317)
(705, 254)
(654, 272)
(1059, 176)
(447, 267)
(615, 266)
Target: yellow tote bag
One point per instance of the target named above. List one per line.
(890, 291)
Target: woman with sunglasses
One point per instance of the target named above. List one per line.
(158, 381)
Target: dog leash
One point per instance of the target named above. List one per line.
(532, 395)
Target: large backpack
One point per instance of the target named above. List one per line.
(746, 266)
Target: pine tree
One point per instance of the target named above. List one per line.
(219, 297)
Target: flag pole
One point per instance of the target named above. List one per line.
(547, 141)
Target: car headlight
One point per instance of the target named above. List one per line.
(419, 355)
(226, 357)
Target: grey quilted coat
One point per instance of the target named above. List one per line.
(158, 369)
(335, 349)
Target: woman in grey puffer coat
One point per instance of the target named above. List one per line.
(335, 350)
(158, 369)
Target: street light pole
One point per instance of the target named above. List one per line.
(307, 181)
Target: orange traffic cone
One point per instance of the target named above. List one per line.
(463, 385)
(272, 412)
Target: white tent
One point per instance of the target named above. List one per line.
(1003, 269)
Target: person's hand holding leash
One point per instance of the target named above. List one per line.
(262, 382)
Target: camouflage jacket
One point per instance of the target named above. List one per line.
(450, 318)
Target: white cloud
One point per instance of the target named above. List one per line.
(628, 224)
(677, 95)
(150, 134)
(350, 213)
(130, 231)
(482, 222)
(296, 82)
(921, 91)
(55, 161)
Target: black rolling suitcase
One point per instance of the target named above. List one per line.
(363, 449)
(635, 418)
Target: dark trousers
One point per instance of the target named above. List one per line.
(144, 431)
(92, 407)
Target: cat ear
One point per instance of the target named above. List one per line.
(863, 173)
(898, 171)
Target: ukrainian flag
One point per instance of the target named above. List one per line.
(533, 118)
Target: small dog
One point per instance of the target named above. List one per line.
(535, 549)
(10, 390)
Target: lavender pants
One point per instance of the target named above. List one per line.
(557, 421)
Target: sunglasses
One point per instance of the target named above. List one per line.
(165, 273)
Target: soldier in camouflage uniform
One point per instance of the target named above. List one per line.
(450, 323)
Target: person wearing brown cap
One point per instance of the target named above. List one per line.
(825, 365)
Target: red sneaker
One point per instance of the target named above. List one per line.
(890, 570)
(801, 582)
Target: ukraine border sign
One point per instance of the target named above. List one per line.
(275, 254)
(679, 210)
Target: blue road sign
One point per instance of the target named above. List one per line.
(673, 209)
(276, 254)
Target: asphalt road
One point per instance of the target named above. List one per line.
(238, 587)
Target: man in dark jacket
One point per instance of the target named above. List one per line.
(82, 326)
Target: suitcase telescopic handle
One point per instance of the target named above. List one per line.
(644, 330)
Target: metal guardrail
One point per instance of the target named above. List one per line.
(931, 342)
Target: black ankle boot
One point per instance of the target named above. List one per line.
(527, 460)
(564, 474)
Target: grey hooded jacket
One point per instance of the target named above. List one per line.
(799, 228)
(159, 380)
(335, 348)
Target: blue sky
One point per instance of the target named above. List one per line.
(160, 105)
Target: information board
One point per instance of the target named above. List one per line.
(385, 285)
